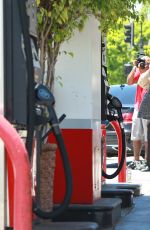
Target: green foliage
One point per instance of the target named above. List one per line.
(119, 52)
(117, 55)
(58, 19)
(114, 10)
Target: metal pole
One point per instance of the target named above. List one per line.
(141, 40)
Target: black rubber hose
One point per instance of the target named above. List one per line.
(67, 170)
(50, 130)
(30, 72)
(116, 173)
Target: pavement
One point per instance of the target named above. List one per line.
(137, 217)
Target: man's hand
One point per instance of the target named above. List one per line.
(147, 62)
(134, 62)
(147, 59)
(143, 70)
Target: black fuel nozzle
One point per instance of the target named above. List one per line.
(43, 94)
(115, 103)
(46, 98)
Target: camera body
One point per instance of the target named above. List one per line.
(140, 62)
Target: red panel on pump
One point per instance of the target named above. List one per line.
(103, 148)
(84, 158)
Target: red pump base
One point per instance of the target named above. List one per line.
(83, 147)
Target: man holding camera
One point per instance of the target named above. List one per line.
(139, 125)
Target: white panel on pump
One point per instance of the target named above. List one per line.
(80, 96)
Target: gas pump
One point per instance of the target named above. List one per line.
(28, 104)
(110, 107)
(19, 97)
(18, 78)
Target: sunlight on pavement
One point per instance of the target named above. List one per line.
(135, 177)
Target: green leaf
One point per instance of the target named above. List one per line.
(71, 54)
(61, 18)
(39, 18)
(64, 15)
(49, 14)
(38, 2)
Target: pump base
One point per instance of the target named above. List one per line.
(67, 226)
(136, 188)
(126, 195)
(105, 211)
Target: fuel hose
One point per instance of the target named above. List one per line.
(54, 122)
(117, 124)
(30, 72)
(31, 120)
(121, 149)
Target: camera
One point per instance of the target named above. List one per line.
(140, 62)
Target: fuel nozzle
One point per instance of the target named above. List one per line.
(46, 98)
(44, 95)
(116, 104)
(114, 101)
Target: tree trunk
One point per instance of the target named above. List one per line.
(47, 168)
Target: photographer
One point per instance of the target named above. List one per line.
(139, 125)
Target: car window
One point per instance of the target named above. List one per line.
(125, 93)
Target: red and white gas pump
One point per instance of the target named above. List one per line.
(81, 92)
(88, 124)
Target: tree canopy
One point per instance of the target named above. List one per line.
(120, 53)
(58, 19)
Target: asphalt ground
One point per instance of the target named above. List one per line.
(137, 217)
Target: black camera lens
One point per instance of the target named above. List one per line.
(142, 65)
